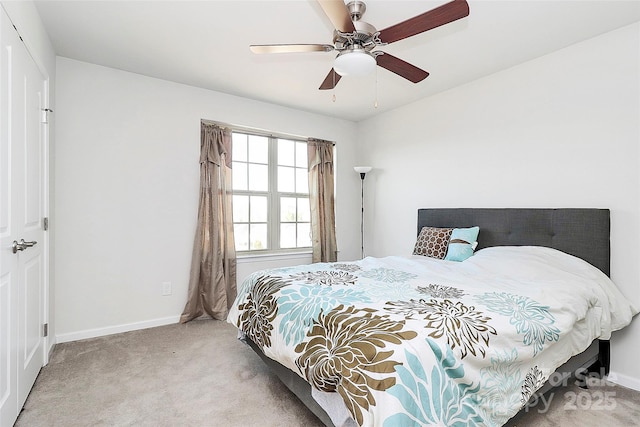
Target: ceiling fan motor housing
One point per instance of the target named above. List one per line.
(363, 36)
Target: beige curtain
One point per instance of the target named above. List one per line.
(212, 283)
(321, 199)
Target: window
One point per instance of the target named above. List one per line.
(270, 194)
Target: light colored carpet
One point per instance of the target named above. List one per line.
(199, 374)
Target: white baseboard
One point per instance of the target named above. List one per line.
(100, 332)
(624, 380)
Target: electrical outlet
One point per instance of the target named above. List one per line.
(166, 288)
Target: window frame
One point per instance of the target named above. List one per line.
(273, 197)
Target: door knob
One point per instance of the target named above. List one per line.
(17, 247)
(22, 245)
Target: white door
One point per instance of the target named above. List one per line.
(22, 259)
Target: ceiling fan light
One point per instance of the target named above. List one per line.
(354, 63)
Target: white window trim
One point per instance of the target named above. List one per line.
(246, 258)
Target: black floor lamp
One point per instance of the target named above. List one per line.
(362, 170)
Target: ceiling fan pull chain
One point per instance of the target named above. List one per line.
(375, 104)
(333, 97)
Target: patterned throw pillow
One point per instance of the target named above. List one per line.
(433, 242)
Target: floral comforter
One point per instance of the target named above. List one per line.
(417, 341)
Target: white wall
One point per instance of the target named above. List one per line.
(559, 131)
(127, 191)
(25, 17)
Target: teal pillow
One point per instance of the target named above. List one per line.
(462, 243)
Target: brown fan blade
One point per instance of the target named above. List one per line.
(338, 14)
(441, 15)
(401, 68)
(290, 48)
(331, 80)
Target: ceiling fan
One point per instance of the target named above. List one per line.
(355, 40)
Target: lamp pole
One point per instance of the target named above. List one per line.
(362, 215)
(362, 170)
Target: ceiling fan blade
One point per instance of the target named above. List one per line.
(401, 68)
(290, 48)
(441, 15)
(331, 80)
(338, 14)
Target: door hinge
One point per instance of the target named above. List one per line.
(45, 223)
(45, 115)
(45, 330)
(19, 36)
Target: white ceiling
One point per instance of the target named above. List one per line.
(206, 44)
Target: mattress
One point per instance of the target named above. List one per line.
(419, 341)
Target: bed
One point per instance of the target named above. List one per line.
(414, 340)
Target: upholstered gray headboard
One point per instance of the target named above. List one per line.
(580, 232)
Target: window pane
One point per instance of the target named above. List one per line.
(258, 149)
(239, 150)
(258, 235)
(240, 208)
(286, 152)
(239, 175)
(304, 210)
(258, 177)
(301, 155)
(287, 209)
(287, 235)
(258, 209)
(241, 236)
(302, 181)
(286, 179)
(252, 203)
(304, 234)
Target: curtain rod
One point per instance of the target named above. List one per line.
(261, 132)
